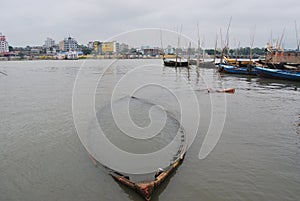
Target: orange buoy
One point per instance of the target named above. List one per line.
(228, 90)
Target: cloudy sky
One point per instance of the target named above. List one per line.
(137, 22)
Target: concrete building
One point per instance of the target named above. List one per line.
(61, 45)
(90, 45)
(107, 47)
(3, 44)
(97, 47)
(124, 48)
(110, 47)
(150, 51)
(49, 42)
(68, 44)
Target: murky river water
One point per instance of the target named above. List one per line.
(41, 157)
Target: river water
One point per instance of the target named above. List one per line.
(257, 156)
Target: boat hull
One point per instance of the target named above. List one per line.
(174, 63)
(237, 70)
(278, 74)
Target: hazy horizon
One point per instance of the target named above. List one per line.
(102, 20)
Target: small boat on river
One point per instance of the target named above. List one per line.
(293, 75)
(238, 62)
(249, 70)
(176, 62)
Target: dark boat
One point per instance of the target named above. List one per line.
(203, 63)
(176, 63)
(237, 70)
(279, 74)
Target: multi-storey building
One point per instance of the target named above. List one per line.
(3, 44)
(49, 42)
(68, 44)
(124, 48)
(110, 47)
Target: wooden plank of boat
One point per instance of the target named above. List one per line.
(146, 188)
(239, 62)
(289, 67)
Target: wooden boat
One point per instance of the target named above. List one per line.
(146, 188)
(278, 74)
(278, 58)
(174, 63)
(203, 63)
(237, 70)
(238, 62)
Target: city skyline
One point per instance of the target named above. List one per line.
(102, 20)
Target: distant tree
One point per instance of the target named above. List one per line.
(210, 51)
(85, 50)
(10, 48)
(21, 55)
(124, 51)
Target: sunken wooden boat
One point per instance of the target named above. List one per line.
(146, 188)
(145, 184)
(279, 74)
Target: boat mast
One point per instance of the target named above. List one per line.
(189, 52)
(161, 43)
(215, 50)
(297, 35)
(226, 42)
(203, 49)
(251, 42)
(237, 52)
(178, 45)
(198, 52)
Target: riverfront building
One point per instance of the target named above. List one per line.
(110, 47)
(68, 44)
(3, 44)
(49, 42)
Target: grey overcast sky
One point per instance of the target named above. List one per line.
(30, 22)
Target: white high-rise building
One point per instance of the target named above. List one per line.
(49, 42)
(3, 44)
(70, 44)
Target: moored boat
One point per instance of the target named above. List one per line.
(176, 63)
(203, 63)
(238, 62)
(237, 70)
(278, 74)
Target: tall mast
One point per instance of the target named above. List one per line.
(297, 36)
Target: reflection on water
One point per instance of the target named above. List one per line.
(257, 157)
